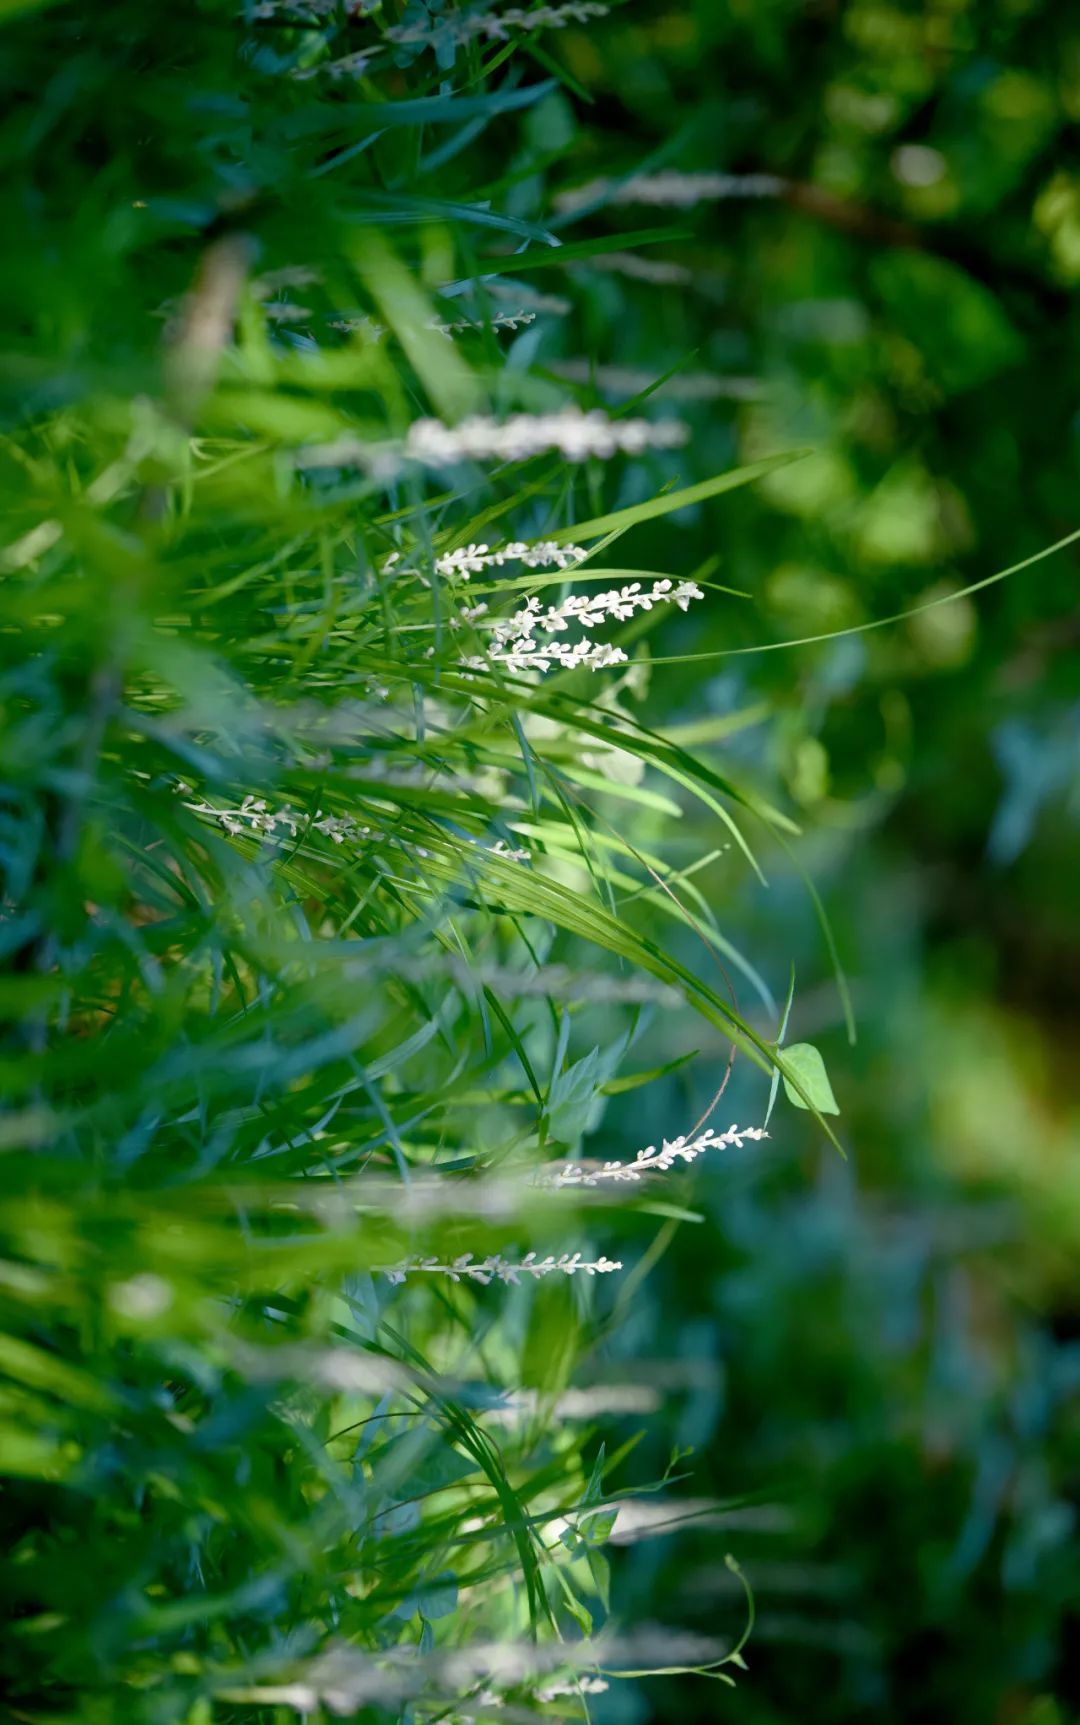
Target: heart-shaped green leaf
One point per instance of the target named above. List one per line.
(805, 1065)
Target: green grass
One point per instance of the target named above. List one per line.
(284, 1010)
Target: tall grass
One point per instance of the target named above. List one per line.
(322, 901)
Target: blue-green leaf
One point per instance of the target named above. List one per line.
(803, 1063)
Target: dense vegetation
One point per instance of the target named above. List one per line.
(417, 419)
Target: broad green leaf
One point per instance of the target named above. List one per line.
(802, 1066)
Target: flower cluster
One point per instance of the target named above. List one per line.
(349, 66)
(501, 320)
(576, 436)
(497, 27)
(569, 656)
(556, 1690)
(672, 189)
(313, 10)
(254, 815)
(652, 1160)
(592, 609)
(498, 1268)
(442, 34)
(513, 641)
(376, 331)
(473, 559)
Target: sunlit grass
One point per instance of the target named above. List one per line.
(325, 927)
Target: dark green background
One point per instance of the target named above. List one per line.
(897, 1336)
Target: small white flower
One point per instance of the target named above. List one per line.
(501, 849)
(684, 592)
(350, 66)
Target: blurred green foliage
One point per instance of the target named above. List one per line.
(898, 1372)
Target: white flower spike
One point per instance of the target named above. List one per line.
(575, 434)
(672, 190)
(473, 559)
(497, 27)
(513, 640)
(571, 432)
(652, 1160)
(497, 1268)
